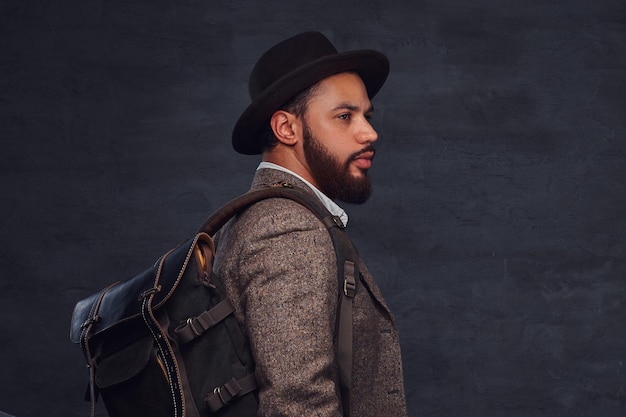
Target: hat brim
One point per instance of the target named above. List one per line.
(372, 67)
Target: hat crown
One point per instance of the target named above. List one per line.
(289, 68)
(286, 57)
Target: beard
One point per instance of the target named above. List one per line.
(333, 176)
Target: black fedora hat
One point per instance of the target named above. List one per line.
(292, 66)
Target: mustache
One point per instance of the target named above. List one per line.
(367, 149)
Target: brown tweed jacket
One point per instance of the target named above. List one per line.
(279, 269)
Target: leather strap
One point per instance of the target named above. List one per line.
(235, 388)
(344, 337)
(84, 343)
(196, 326)
(165, 348)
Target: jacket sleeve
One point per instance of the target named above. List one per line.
(286, 294)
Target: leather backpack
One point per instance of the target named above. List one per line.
(166, 343)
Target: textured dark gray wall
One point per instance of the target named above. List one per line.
(497, 227)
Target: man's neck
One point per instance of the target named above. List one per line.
(332, 207)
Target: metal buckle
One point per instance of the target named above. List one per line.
(193, 329)
(349, 288)
(218, 391)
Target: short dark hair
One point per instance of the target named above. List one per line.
(297, 105)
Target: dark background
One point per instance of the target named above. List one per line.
(497, 226)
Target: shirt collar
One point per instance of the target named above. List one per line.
(332, 207)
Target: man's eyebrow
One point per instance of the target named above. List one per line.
(353, 107)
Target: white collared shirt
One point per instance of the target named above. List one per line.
(332, 207)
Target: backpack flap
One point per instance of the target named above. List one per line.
(122, 302)
(83, 313)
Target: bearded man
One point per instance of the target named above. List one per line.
(310, 120)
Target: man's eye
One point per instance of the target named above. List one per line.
(344, 116)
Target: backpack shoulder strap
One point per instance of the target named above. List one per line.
(281, 190)
(347, 265)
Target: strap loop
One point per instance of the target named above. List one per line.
(349, 281)
(196, 326)
(234, 388)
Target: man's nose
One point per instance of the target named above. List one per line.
(367, 134)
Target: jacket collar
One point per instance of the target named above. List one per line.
(269, 173)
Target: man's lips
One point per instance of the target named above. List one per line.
(364, 159)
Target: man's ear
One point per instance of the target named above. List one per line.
(285, 126)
